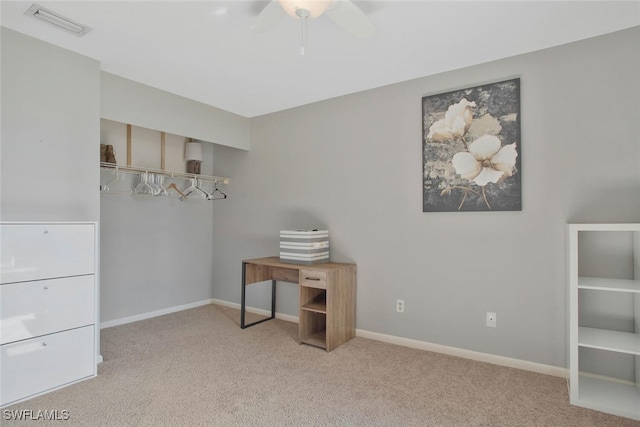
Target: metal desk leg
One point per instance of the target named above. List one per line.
(243, 298)
(244, 285)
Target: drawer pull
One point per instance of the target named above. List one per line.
(44, 344)
(46, 287)
(312, 278)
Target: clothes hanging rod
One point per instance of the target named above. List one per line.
(171, 174)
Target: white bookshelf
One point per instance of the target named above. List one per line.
(619, 396)
(614, 285)
(604, 339)
(609, 396)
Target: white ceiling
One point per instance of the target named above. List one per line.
(205, 50)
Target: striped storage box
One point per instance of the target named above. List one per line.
(304, 246)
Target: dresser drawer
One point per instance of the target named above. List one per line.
(31, 309)
(40, 364)
(313, 279)
(45, 251)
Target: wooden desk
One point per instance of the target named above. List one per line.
(327, 315)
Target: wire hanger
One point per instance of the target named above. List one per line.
(213, 196)
(144, 187)
(194, 186)
(156, 182)
(189, 189)
(107, 187)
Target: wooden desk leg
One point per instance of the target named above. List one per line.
(243, 299)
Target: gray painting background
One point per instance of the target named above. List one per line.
(500, 100)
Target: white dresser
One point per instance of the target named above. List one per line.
(48, 306)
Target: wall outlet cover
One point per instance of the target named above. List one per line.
(491, 319)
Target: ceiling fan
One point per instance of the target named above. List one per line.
(343, 12)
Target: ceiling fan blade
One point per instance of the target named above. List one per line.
(268, 18)
(351, 18)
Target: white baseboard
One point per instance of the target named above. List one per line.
(287, 317)
(390, 339)
(436, 348)
(466, 354)
(149, 315)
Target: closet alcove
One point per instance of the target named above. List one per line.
(155, 251)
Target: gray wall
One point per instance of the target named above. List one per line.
(353, 165)
(50, 131)
(49, 163)
(130, 102)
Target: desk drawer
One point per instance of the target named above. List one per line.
(313, 279)
(284, 274)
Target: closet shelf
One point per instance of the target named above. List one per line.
(171, 174)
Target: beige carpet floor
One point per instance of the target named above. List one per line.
(198, 368)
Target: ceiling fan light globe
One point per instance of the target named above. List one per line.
(314, 7)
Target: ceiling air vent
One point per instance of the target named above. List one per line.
(57, 20)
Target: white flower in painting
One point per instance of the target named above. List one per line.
(485, 161)
(455, 124)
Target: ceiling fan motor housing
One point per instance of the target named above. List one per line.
(305, 8)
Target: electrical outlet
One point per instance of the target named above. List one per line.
(400, 306)
(491, 319)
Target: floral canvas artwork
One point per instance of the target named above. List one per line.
(471, 154)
